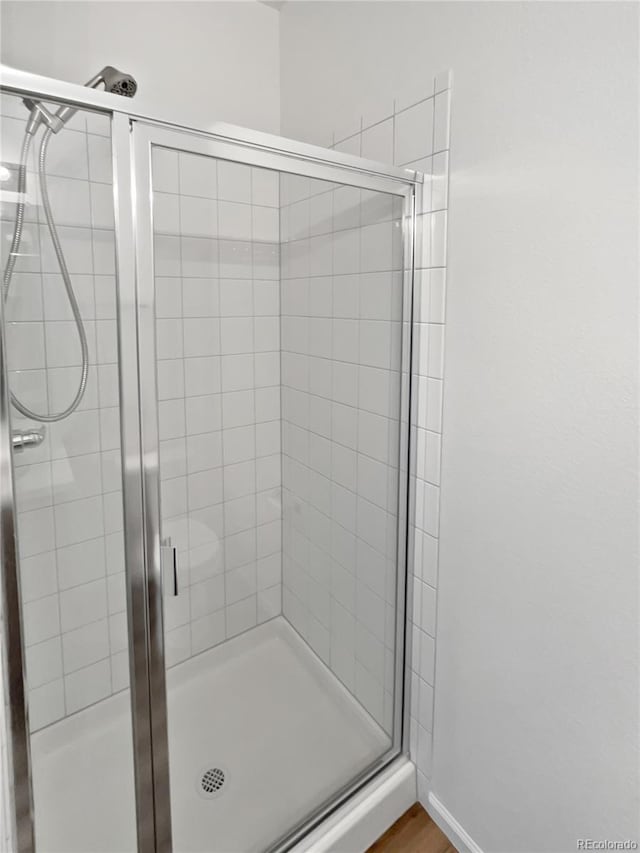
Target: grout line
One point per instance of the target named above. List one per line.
(183, 439)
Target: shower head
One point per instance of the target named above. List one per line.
(114, 81)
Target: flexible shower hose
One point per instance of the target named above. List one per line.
(11, 262)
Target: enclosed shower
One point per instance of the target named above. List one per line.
(206, 349)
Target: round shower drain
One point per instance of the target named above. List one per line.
(211, 782)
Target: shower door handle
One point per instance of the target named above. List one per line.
(169, 563)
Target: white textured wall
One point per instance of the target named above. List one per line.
(195, 62)
(537, 672)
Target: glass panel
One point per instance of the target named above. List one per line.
(66, 436)
(341, 369)
(278, 316)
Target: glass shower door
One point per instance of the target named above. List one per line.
(274, 430)
(65, 435)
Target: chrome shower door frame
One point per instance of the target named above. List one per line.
(14, 688)
(132, 138)
(250, 149)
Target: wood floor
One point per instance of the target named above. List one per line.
(414, 832)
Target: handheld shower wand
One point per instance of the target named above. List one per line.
(113, 81)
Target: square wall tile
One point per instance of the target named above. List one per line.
(414, 132)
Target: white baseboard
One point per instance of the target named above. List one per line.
(460, 839)
(362, 820)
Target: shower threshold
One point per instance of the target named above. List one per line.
(260, 734)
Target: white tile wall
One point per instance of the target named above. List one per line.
(218, 348)
(341, 311)
(68, 490)
(427, 123)
(218, 383)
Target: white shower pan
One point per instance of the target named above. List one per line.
(260, 708)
